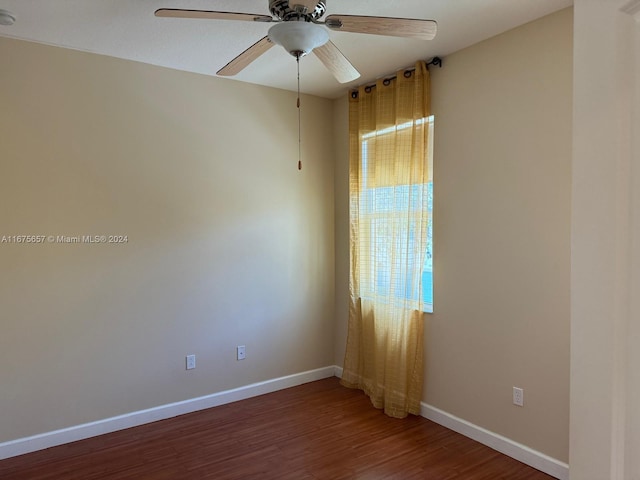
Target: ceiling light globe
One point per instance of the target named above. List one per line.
(298, 38)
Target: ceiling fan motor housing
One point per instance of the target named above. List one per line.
(284, 10)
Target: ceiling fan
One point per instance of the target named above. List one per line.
(300, 31)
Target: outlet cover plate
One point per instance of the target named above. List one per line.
(191, 362)
(518, 396)
(241, 352)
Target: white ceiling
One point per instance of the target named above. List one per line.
(128, 29)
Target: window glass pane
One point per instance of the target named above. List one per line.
(380, 206)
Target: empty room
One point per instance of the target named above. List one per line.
(319, 239)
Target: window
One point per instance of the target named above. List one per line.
(381, 206)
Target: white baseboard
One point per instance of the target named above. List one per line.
(513, 449)
(134, 419)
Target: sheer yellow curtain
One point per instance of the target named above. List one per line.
(389, 173)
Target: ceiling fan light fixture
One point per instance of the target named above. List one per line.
(298, 38)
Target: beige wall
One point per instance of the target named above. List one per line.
(341, 189)
(228, 243)
(502, 221)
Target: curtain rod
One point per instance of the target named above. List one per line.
(435, 61)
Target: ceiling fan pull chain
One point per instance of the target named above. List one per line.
(299, 122)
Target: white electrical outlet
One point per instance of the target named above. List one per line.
(241, 352)
(191, 362)
(518, 396)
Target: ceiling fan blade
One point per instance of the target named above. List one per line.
(309, 4)
(395, 27)
(245, 58)
(336, 62)
(206, 14)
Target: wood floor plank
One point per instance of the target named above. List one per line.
(315, 431)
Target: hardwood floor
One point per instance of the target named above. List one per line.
(319, 430)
